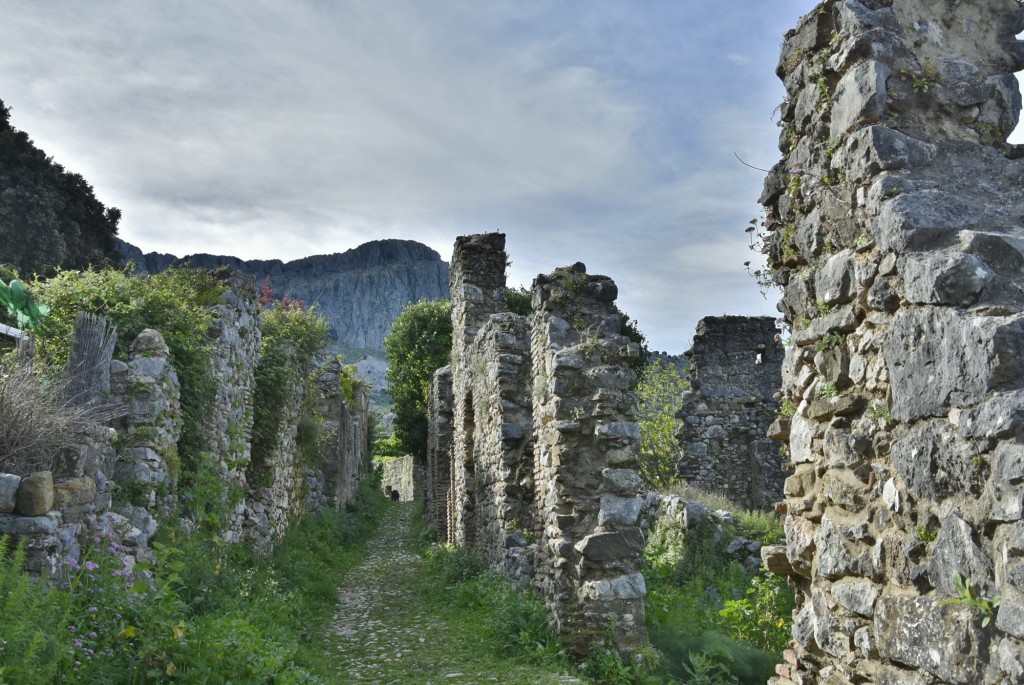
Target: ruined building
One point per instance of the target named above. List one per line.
(735, 374)
(532, 438)
(895, 227)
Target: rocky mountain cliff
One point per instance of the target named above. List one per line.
(359, 292)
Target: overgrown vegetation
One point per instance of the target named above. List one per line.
(713, 621)
(37, 420)
(419, 343)
(174, 302)
(660, 392)
(294, 338)
(205, 613)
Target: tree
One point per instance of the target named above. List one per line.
(49, 217)
(660, 392)
(419, 343)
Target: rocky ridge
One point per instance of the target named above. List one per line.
(359, 292)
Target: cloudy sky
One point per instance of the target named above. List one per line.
(601, 131)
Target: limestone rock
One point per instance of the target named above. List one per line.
(35, 495)
(9, 484)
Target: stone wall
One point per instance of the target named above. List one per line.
(535, 440)
(399, 474)
(735, 375)
(895, 227)
(135, 463)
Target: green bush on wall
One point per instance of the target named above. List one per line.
(174, 302)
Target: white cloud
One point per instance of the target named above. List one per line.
(594, 131)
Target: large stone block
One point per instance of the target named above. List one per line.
(940, 359)
(944, 641)
(35, 495)
(860, 97)
(9, 484)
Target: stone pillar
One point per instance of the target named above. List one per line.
(591, 548)
(894, 224)
(477, 276)
(439, 450)
(235, 340)
(735, 372)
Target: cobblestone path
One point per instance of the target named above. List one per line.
(384, 633)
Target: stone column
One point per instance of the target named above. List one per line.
(439, 450)
(895, 228)
(478, 290)
(586, 443)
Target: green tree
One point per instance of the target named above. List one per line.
(49, 217)
(660, 393)
(419, 343)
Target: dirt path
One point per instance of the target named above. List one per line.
(383, 632)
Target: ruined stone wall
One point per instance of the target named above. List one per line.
(344, 442)
(477, 276)
(399, 474)
(235, 338)
(542, 442)
(735, 374)
(591, 548)
(440, 406)
(895, 227)
(123, 478)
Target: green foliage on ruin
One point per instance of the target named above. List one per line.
(705, 612)
(519, 300)
(660, 391)
(419, 343)
(49, 217)
(294, 339)
(174, 302)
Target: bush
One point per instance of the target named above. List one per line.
(293, 340)
(36, 419)
(174, 302)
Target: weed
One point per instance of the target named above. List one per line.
(968, 597)
(878, 410)
(925, 534)
(830, 342)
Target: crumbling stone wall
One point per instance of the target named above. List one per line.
(542, 441)
(399, 475)
(440, 406)
(136, 463)
(735, 375)
(591, 548)
(344, 442)
(895, 227)
(235, 339)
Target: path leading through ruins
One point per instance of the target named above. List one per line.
(384, 631)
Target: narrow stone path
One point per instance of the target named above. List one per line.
(384, 633)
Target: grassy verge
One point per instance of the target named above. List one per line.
(204, 614)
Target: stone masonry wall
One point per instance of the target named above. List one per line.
(136, 465)
(591, 548)
(735, 373)
(440, 405)
(895, 226)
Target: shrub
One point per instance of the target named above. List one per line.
(36, 419)
(174, 302)
(293, 339)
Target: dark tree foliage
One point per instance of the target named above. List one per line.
(419, 343)
(49, 217)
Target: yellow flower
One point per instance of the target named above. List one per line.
(178, 630)
(128, 633)
(216, 569)
(170, 668)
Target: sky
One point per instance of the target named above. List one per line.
(600, 131)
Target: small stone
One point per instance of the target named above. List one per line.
(9, 484)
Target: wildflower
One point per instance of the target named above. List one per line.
(92, 610)
(91, 566)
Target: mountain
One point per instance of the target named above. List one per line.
(359, 292)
